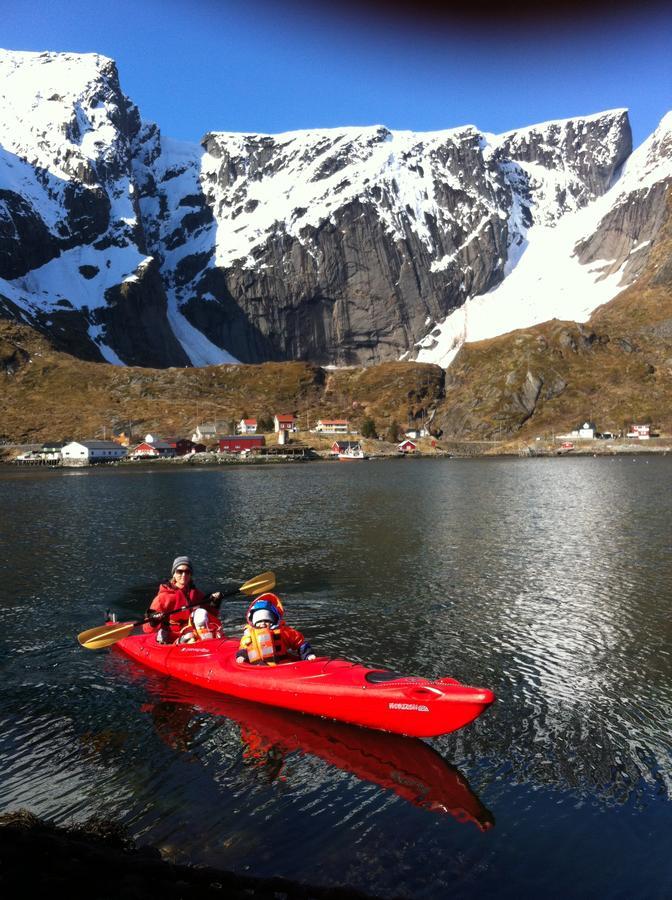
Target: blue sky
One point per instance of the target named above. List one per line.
(271, 67)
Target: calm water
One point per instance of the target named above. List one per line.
(549, 581)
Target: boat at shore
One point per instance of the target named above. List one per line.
(352, 453)
(334, 688)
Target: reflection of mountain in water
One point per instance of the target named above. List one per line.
(406, 766)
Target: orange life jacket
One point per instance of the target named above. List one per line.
(265, 645)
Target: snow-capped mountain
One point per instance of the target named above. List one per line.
(337, 246)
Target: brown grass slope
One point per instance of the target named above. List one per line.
(49, 395)
(614, 370)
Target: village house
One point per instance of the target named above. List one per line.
(586, 432)
(49, 454)
(639, 432)
(83, 453)
(407, 446)
(154, 449)
(415, 433)
(209, 432)
(183, 445)
(247, 426)
(241, 443)
(332, 426)
(51, 451)
(284, 422)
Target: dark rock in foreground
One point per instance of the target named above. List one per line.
(98, 860)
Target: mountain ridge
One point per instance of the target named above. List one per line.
(121, 244)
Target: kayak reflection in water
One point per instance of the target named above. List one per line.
(171, 621)
(267, 638)
(410, 768)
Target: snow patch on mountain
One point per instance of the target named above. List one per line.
(315, 173)
(545, 279)
(168, 173)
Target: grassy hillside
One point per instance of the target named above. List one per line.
(51, 395)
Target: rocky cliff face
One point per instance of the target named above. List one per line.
(346, 246)
(333, 246)
(73, 258)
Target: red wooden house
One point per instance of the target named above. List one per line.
(153, 449)
(184, 445)
(240, 443)
(407, 446)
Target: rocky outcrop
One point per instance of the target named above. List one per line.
(625, 235)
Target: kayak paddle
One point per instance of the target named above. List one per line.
(104, 635)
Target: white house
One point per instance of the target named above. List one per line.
(587, 431)
(208, 431)
(333, 426)
(247, 426)
(416, 433)
(82, 453)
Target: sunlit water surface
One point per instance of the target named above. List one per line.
(548, 581)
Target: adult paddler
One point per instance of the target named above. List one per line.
(199, 621)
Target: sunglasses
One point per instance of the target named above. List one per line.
(183, 571)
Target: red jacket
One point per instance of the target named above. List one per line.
(170, 597)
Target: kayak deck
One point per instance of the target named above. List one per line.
(335, 688)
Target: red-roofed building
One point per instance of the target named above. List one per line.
(407, 446)
(283, 422)
(242, 443)
(153, 449)
(184, 445)
(247, 426)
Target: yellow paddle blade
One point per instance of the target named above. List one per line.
(259, 584)
(104, 635)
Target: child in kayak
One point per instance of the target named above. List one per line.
(268, 639)
(198, 622)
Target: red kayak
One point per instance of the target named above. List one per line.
(335, 688)
(406, 766)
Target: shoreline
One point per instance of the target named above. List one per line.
(302, 453)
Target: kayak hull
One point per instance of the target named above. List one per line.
(406, 766)
(335, 688)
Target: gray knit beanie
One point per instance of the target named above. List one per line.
(181, 561)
